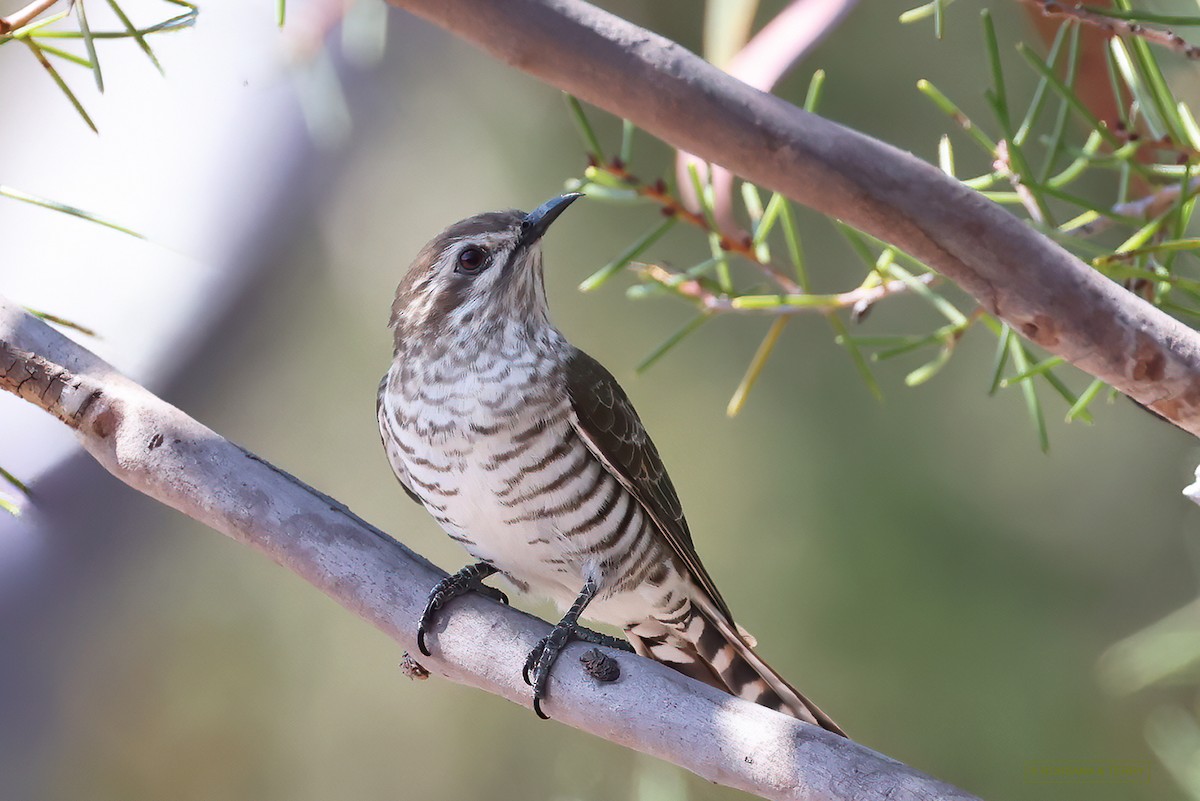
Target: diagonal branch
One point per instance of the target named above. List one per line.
(157, 449)
(1034, 285)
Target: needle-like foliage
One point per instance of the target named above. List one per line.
(1118, 193)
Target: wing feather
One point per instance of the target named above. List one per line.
(610, 427)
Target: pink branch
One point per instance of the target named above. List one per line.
(780, 45)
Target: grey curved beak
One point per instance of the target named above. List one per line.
(537, 221)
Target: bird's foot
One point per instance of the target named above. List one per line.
(469, 579)
(541, 659)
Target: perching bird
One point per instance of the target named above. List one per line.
(528, 453)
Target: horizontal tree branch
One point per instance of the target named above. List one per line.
(1014, 272)
(157, 449)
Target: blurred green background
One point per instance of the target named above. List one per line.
(918, 567)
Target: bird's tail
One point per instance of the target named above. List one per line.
(708, 647)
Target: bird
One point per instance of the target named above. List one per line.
(528, 453)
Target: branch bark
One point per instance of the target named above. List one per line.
(158, 450)
(1022, 277)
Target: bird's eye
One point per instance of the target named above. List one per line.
(471, 260)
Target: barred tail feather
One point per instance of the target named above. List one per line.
(709, 648)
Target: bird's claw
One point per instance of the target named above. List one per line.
(492, 592)
(436, 599)
(541, 659)
(537, 665)
(464, 581)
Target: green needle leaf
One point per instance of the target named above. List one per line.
(590, 140)
(627, 131)
(946, 155)
(769, 216)
(1080, 406)
(791, 235)
(1071, 97)
(89, 43)
(54, 318)
(62, 85)
(16, 482)
(133, 31)
(1039, 94)
(993, 52)
(755, 367)
(1032, 405)
(950, 109)
(630, 253)
(671, 341)
(928, 371)
(8, 191)
(1037, 369)
(753, 202)
(813, 98)
(860, 362)
(63, 54)
(1190, 129)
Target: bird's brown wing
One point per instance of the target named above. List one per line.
(607, 423)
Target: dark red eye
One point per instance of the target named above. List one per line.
(471, 260)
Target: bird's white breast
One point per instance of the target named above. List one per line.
(453, 433)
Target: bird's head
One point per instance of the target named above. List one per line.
(478, 274)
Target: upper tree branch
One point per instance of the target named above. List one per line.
(155, 448)
(1013, 271)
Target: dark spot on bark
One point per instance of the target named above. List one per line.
(106, 423)
(156, 441)
(1149, 363)
(1041, 330)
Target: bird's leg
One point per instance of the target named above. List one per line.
(541, 658)
(469, 578)
(599, 638)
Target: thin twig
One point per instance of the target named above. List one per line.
(1117, 27)
(658, 193)
(19, 19)
(860, 299)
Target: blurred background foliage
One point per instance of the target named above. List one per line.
(917, 566)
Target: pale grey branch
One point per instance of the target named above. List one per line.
(1014, 272)
(159, 450)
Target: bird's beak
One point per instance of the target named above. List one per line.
(537, 221)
